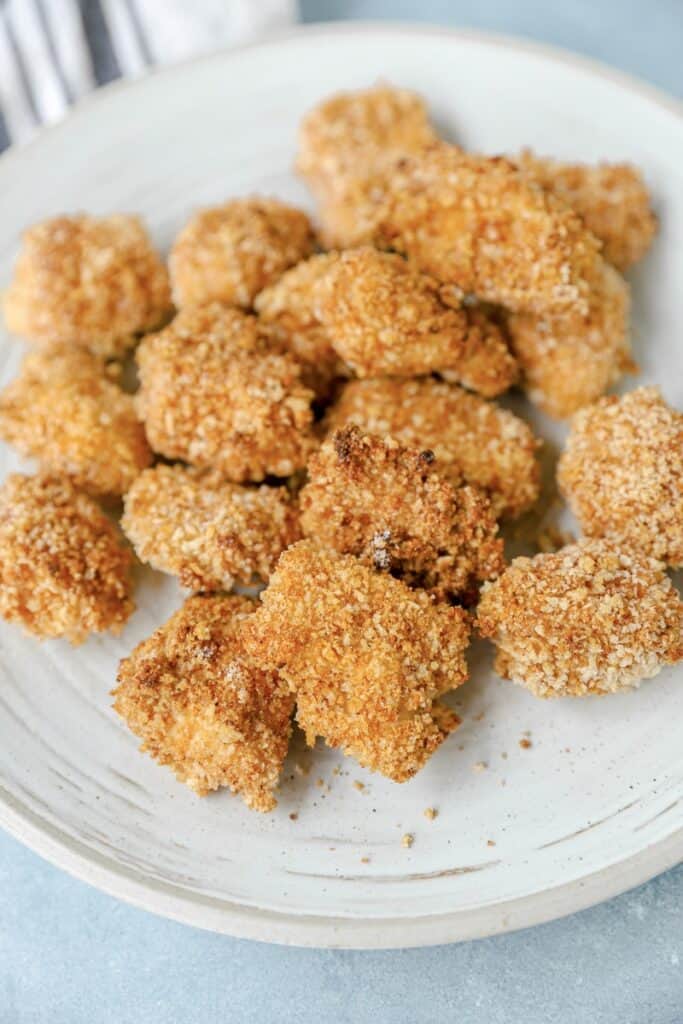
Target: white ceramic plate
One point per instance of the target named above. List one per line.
(595, 806)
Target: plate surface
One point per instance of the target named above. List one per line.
(596, 805)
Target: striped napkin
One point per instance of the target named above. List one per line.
(54, 51)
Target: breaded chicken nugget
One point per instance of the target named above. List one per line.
(216, 392)
(200, 706)
(612, 199)
(471, 439)
(67, 410)
(210, 533)
(95, 282)
(387, 504)
(622, 473)
(232, 252)
(590, 618)
(384, 317)
(63, 570)
(288, 310)
(570, 361)
(365, 656)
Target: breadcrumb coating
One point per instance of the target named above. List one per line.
(387, 504)
(95, 282)
(365, 656)
(216, 392)
(63, 570)
(67, 410)
(230, 253)
(384, 317)
(200, 705)
(208, 532)
(612, 199)
(622, 473)
(568, 362)
(472, 439)
(590, 618)
(487, 364)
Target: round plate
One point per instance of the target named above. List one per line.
(522, 835)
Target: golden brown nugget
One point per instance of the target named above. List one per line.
(216, 392)
(63, 569)
(472, 439)
(612, 199)
(383, 317)
(568, 362)
(210, 533)
(590, 618)
(66, 409)
(487, 364)
(288, 310)
(622, 473)
(365, 656)
(232, 252)
(201, 707)
(95, 282)
(387, 504)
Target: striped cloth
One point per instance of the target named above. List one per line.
(54, 51)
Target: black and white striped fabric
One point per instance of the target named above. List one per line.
(54, 51)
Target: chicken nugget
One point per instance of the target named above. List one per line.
(365, 656)
(590, 618)
(210, 533)
(387, 504)
(612, 199)
(63, 569)
(230, 253)
(384, 317)
(622, 473)
(94, 282)
(216, 392)
(67, 410)
(472, 439)
(570, 361)
(194, 697)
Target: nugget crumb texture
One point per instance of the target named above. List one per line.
(612, 199)
(215, 392)
(622, 473)
(90, 281)
(232, 252)
(200, 706)
(67, 410)
(472, 439)
(387, 504)
(63, 570)
(365, 657)
(590, 618)
(207, 531)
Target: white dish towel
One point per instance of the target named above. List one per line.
(54, 51)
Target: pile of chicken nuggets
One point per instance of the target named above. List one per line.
(314, 412)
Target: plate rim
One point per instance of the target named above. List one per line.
(325, 931)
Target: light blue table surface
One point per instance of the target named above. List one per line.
(69, 955)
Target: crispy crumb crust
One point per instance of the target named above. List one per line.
(386, 504)
(201, 707)
(622, 473)
(210, 533)
(588, 619)
(472, 439)
(384, 317)
(568, 362)
(63, 570)
(66, 409)
(230, 253)
(487, 364)
(216, 392)
(95, 282)
(612, 199)
(366, 657)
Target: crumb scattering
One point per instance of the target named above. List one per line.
(407, 840)
(431, 813)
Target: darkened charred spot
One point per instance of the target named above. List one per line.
(427, 456)
(344, 441)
